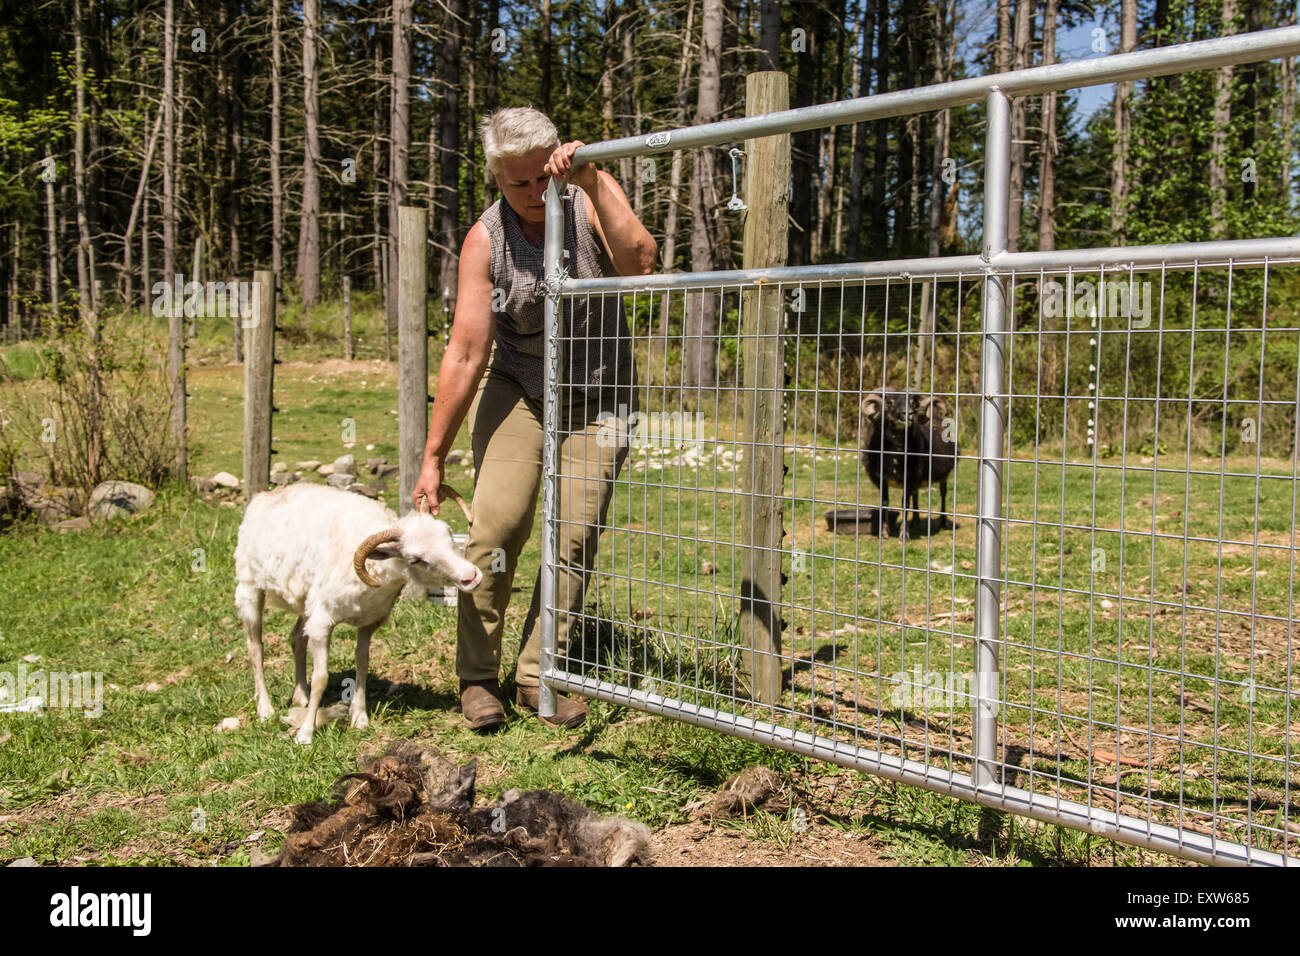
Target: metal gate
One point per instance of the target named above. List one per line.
(1090, 620)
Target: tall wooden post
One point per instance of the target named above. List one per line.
(412, 348)
(767, 193)
(259, 374)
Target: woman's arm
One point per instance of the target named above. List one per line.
(629, 244)
(463, 363)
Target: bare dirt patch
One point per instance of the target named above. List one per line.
(723, 844)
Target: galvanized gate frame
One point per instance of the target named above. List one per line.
(996, 264)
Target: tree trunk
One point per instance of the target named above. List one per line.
(1015, 212)
(15, 264)
(909, 169)
(470, 207)
(700, 350)
(492, 86)
(379, 249)
(1002, 47)
(236, 127)
(1119, 174)
(545, 54)
(1250, 84)
(52, 231)
(804, 151)
(277, 193)
(1047, 142)
(859, 161)
(145, 237)
(399, 143)
(1288, 79)
(879, 244)
(309, 226)
(669, 255)
(629, 118)
(129, 236)
(450, 162)
(769, 37)
(925, 333)
(88, 306)
(169, 145)
(608, 45)
(826, 162)
(942, 127)
(826, 237)
(176, 324)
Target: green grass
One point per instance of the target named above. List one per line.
(132, 603)
(1160, 684)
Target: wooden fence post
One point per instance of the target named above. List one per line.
(412, 348)
(347, 318)
(259, 374)
(767, 194)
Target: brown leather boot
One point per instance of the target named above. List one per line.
(480, 704)
(569, 712)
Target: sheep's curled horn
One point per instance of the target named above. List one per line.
(453, 494)
(871, 405)
(392, 534)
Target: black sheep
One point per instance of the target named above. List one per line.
(906, 445)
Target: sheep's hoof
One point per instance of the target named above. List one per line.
(360, 721)
(304, 735)
(264, 710)
(299, 698)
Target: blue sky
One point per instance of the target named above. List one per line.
(1076, 44)
(1072, 43)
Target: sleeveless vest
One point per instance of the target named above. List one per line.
(595, 338)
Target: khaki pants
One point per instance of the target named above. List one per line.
(506, 427)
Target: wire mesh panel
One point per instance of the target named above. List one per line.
(1149, 546)
(801, 499)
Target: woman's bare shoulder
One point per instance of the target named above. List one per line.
(478, 242)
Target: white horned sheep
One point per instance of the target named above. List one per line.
(305, 547)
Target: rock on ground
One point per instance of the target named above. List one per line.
(115, 499)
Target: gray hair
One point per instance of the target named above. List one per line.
(515, 131)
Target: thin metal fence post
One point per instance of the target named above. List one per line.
(988, 533)
(550, 443)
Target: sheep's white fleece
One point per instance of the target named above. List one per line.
(296, 543)
(296, 547)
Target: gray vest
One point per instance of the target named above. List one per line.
(594, 345)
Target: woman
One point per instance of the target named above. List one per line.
(499, 302)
